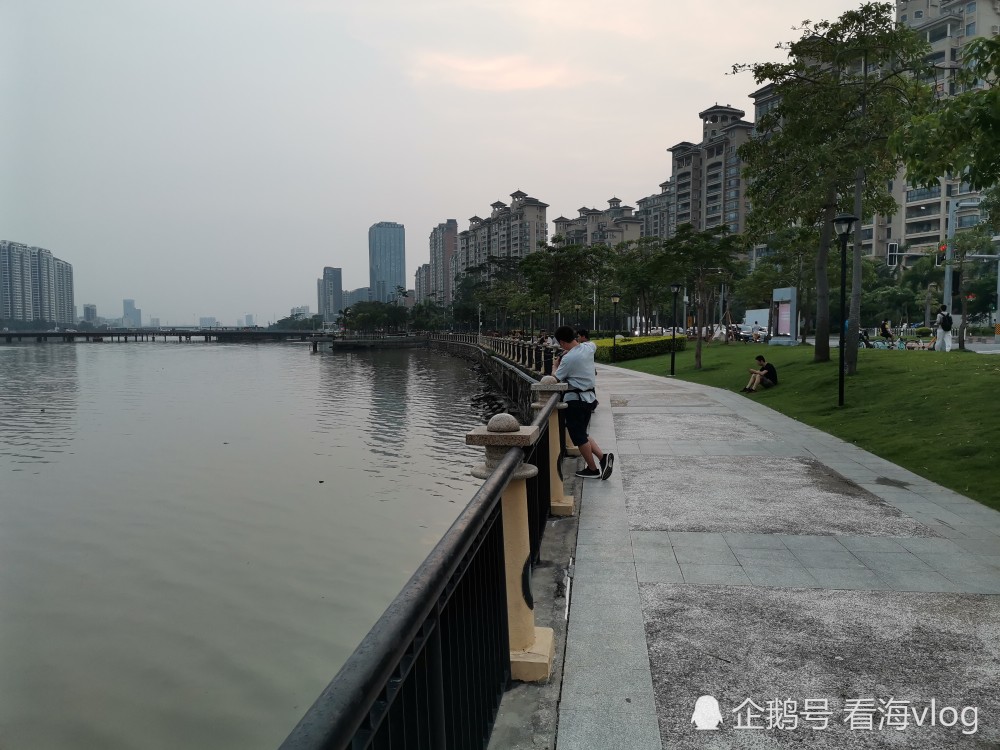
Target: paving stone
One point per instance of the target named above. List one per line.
(870, 544)
(697, 539)
(587, 729)
(917, 580)
(775, 558)
(785, 576)
(917, 546)
(717, 574)
(980, 546)
(705, 556)
(827, 559)
(847, 578)
(754, 541)
(648, 572)
(892, 561)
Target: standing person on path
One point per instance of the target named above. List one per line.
(943, 323)
(575, 367)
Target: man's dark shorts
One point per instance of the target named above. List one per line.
(765, 383)
(578, 420)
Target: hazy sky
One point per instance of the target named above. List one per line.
(209, 157)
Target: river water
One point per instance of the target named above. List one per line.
(193, 537)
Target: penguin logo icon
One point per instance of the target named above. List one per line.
(706, 713)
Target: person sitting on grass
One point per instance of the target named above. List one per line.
(764, 377)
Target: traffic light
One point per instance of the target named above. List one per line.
(940, 255)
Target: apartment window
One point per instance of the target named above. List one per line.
(936, 35)
(918, 14)
(970, 29)
(902, 18)
(970, 7)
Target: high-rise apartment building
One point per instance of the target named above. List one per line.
(921, 223)
(512, 231)
(443, 246)
(707, 184)
(330, 292)
(131, 315)
(386, 260)
(362, 294)
(34, 285)
(657, 212)
(594, 226)
(422, 283)
(90, 314)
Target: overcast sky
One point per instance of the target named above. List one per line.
(209, 157)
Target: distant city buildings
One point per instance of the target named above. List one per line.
(35, 285)
(509, 232)
(443, 246)
(207, 322)
(330, 294)
(248, 320)
(300, 312)
(154, 322)
(386, 260)
(593, 226)
(364, 294)
(422, 283)
(131, 315)
(90, 314)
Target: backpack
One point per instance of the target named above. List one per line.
(946, 322)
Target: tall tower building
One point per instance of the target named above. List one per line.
(330, 293)
(34, 285)
(386, 260)
(443, 246)
(131, 315)
(90, 314)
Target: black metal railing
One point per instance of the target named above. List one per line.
(432, 671)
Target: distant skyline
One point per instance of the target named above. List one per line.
(210, 158)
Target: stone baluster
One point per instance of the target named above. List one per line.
(531, 648)
(560, 503)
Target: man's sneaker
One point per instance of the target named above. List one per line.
(586, 473)
(607, 465)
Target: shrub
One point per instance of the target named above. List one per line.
(637, 348)
(923, 331)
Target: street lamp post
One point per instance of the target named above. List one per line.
(675, 288)
(842, 225)
(615, 299)
(531, 322)
(949, 252)
(558, 317)
(577, 306)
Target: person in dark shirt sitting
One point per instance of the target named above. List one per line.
(764, 377)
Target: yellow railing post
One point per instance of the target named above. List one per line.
(531, 648)
(560, 503)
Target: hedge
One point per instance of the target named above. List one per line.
(637, 348)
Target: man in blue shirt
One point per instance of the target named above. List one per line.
(575, 367)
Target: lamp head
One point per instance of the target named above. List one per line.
(616, 298)
(675, 288)
(843, 224)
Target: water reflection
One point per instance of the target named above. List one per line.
(38, 401)
(220, 537)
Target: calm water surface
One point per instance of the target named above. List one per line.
(193, 537)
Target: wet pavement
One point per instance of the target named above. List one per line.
(815, 593)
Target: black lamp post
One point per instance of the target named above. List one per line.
(615, 299)
(577, 306)
(675, 288)
(558, 317)
(531, 323)
(842, 225)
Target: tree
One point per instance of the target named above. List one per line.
(960, 134)
(706, 259)
(847, 86)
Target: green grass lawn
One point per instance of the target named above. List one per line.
(934, 413)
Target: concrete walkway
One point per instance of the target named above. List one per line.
(739, 554)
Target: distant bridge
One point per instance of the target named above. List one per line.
(224, 335)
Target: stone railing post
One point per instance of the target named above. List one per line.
(560, 504)
(531, 648)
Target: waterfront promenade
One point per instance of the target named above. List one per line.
(739, 554)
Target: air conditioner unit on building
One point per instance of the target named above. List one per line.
(892, 254)
(995, 30)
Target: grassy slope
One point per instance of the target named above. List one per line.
(934, 413)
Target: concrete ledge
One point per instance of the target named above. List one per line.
(535, 664)
(564, 506)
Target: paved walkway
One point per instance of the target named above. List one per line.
(739, 554)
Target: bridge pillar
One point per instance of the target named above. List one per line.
(531, 648)
(560, 504)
